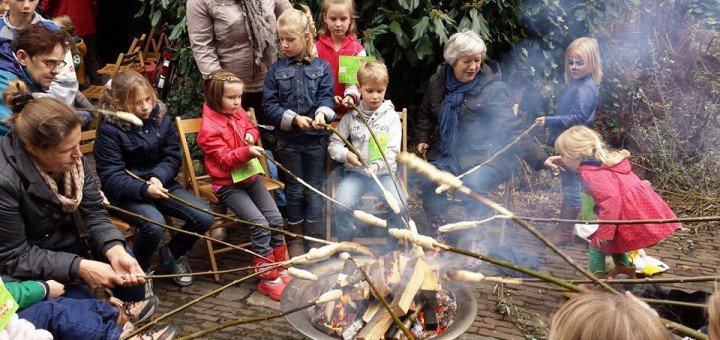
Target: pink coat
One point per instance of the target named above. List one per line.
(620, 195)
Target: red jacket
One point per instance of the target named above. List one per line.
(326, 51)
(620, 195)
(224, 148)
(82, 13)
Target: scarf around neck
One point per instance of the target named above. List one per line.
(260, 33)
(448, 120)
(73, 182)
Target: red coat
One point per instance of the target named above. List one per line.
(225, 149)
(620, 195)
(82, 13)
(326, 51)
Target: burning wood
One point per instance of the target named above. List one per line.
(408, 283)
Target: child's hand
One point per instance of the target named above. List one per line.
(353, 159)
(554, 164)
(348, 101)
(156, 192)
(249, 138)
(373, 168)
(155, 181)
(540, 121)
(57, 289)
(256, 151)
(601, 242)
(319, 121)
(303, 122)
(422, 147)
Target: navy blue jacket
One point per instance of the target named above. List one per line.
(295, 87)
(152, 150)
(576, 106)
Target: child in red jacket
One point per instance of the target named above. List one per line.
(227, 138)
(338, 37)
(619, 195)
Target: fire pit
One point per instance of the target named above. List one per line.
(299, 292)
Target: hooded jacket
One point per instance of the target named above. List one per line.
(620, 195)
(151, 150)
(224, 148)
(486, 122)
(34, 224)
(386, 126)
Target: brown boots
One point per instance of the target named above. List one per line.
(563, 234)
(295, 245)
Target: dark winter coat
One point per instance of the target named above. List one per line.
(620, 195)
(151, 150)
(34, 224)
(486, 122)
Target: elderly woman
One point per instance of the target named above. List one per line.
(54, 226)
(466, 117)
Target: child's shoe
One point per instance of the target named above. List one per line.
(177, 266)
(280, 255)
(270, 282)
(134, 312)
(154, 333)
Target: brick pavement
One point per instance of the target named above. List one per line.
(242, 300)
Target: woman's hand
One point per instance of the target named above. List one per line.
(353, 159)
(57, 289)
(98, 274)
(540, 121)
(249, 139)
(302, 122)
(125, 265)
(256, 151)
(422, 147)
(319, 121)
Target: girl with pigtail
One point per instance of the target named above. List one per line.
(619, 195)
(298, 99)
(227, 138)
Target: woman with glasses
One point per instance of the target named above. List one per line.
(576, 104)
(34, 56)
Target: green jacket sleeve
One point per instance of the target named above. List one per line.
(27, 293)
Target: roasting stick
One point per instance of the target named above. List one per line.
(327, 297)
(183, 307)
(689, 279)
(359, 214)
(425, 168)
(442, 188)
(234, 219)
(396, 319)
(182, 231)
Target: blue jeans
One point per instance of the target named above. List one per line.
(481, 182)
(307, 161)
(74, 319)
(252, 202)
(149, 235)
(349, 191)
(572, 188)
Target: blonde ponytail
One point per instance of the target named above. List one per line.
(581, 142)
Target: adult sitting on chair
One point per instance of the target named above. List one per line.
(465, 118)
(53, 220)
(34, 56)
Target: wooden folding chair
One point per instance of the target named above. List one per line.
(137, 43)
(333, 180)
(155, 43)
(125, 62)
(202, 188)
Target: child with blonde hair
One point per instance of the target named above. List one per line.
(576, 104)
(298, 99)
(227, 138)
(373, 80)
(338, 37)
(619, 195)
(617, 317)
(151, 152)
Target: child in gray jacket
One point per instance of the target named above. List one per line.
(380, 113)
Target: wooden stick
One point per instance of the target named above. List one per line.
(688, 279)
(230, 323)
(415, 163)
(382, 300)
(442, 188)
(652, 221)
(234, 219)
(226, 271)
(183, 307)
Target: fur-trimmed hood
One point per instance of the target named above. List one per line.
(156, 116)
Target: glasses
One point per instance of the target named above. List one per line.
(575, 64)
(53, 64)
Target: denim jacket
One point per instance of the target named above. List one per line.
(575, 106)
(295, 87)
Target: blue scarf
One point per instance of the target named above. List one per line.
(448, 119)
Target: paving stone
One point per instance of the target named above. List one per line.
(262, 300)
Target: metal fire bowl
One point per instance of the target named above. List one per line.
(299, 292)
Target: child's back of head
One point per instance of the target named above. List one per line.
(581, 141)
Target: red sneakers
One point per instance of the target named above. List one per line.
(280, 254)
(270, 282)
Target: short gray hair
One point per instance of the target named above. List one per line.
(462, 44)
